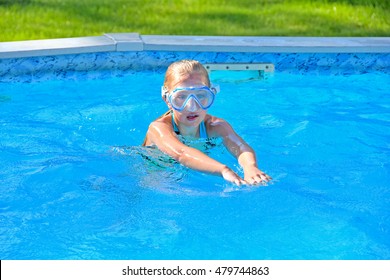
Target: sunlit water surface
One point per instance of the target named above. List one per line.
(75, 184)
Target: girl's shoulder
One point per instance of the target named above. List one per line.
(158, 127)
(216, 126)
(162, 121)
(210, 119)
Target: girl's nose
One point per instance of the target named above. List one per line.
(192, 105)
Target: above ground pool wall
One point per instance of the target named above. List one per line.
(114, 54)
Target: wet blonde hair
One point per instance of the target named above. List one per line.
(184, 68)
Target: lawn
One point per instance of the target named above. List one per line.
(41, 19)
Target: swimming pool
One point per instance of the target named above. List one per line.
(74, 185)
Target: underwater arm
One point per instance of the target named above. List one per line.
(163, 137)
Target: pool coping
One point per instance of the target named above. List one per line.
(127, 42)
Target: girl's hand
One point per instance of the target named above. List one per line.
(230, 176)
(255, 176)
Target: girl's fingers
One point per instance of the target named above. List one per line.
(257, 179)
(260, 179)
(239, 181)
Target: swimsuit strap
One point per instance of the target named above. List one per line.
(202, 128)
(175, 128)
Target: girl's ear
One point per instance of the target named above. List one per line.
(164, 93)
(164, 96)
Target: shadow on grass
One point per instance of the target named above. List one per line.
(13, 2)
(293, 22)
(384, 4)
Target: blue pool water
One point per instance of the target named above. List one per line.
(74, 185)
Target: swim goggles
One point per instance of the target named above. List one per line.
(180, 97)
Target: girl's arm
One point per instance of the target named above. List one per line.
(242, 151)
(162, 135)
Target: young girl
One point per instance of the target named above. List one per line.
(188, 93)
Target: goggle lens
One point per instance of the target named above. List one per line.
(179, 97)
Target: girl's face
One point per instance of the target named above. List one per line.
(192, 114)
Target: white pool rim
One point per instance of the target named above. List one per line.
(123, 42)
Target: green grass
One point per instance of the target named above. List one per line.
(42, 19)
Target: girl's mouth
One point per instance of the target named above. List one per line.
(192, 117)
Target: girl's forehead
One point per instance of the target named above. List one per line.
(192, 79)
